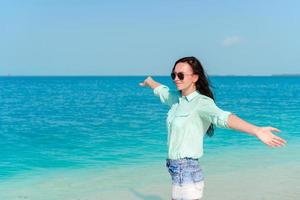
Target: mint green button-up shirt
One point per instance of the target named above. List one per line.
(187, 121)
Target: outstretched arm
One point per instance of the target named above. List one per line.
(162, 91)
(262, 133)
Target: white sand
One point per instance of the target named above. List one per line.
(152, 182)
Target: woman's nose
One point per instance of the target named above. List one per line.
(176, 78)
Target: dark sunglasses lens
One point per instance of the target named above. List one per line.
(180, 76)
(173, 75)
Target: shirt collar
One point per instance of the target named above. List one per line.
(191, 96)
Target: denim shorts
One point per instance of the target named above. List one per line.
(184, 171)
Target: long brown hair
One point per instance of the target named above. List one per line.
(202, 84)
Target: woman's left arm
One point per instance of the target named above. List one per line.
(262, 133)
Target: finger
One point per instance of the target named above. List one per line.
(279, 139)
(269, 144)
(272, 144)
(276, 143)
(275, 129)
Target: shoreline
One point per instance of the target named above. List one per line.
(134, 183)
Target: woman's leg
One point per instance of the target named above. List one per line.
(187, 179)
(188, 191)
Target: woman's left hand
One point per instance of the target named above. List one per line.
(266, 136)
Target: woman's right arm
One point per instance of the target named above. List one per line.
(166, 96)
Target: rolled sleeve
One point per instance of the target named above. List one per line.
(215, 115)
(160, 90)
(221, 120)
(166, 96)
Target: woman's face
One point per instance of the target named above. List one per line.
(189, 77)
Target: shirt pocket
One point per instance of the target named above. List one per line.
(180, 119)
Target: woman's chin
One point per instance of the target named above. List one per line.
(179, 87)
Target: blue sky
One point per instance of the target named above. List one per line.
(52, 37)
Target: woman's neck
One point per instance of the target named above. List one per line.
(188, 90)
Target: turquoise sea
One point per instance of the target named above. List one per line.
(105, 138)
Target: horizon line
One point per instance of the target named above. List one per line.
(111, 75)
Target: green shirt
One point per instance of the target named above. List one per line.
(188, 119)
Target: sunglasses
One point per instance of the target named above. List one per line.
(180, 75)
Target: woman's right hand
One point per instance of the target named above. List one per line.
(147, 81)
(150, 83)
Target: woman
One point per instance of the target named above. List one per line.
(193, 113)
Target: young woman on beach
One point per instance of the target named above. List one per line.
(193, 113)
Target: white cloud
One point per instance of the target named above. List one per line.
(232, 40)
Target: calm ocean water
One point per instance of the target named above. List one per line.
(49, 123)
